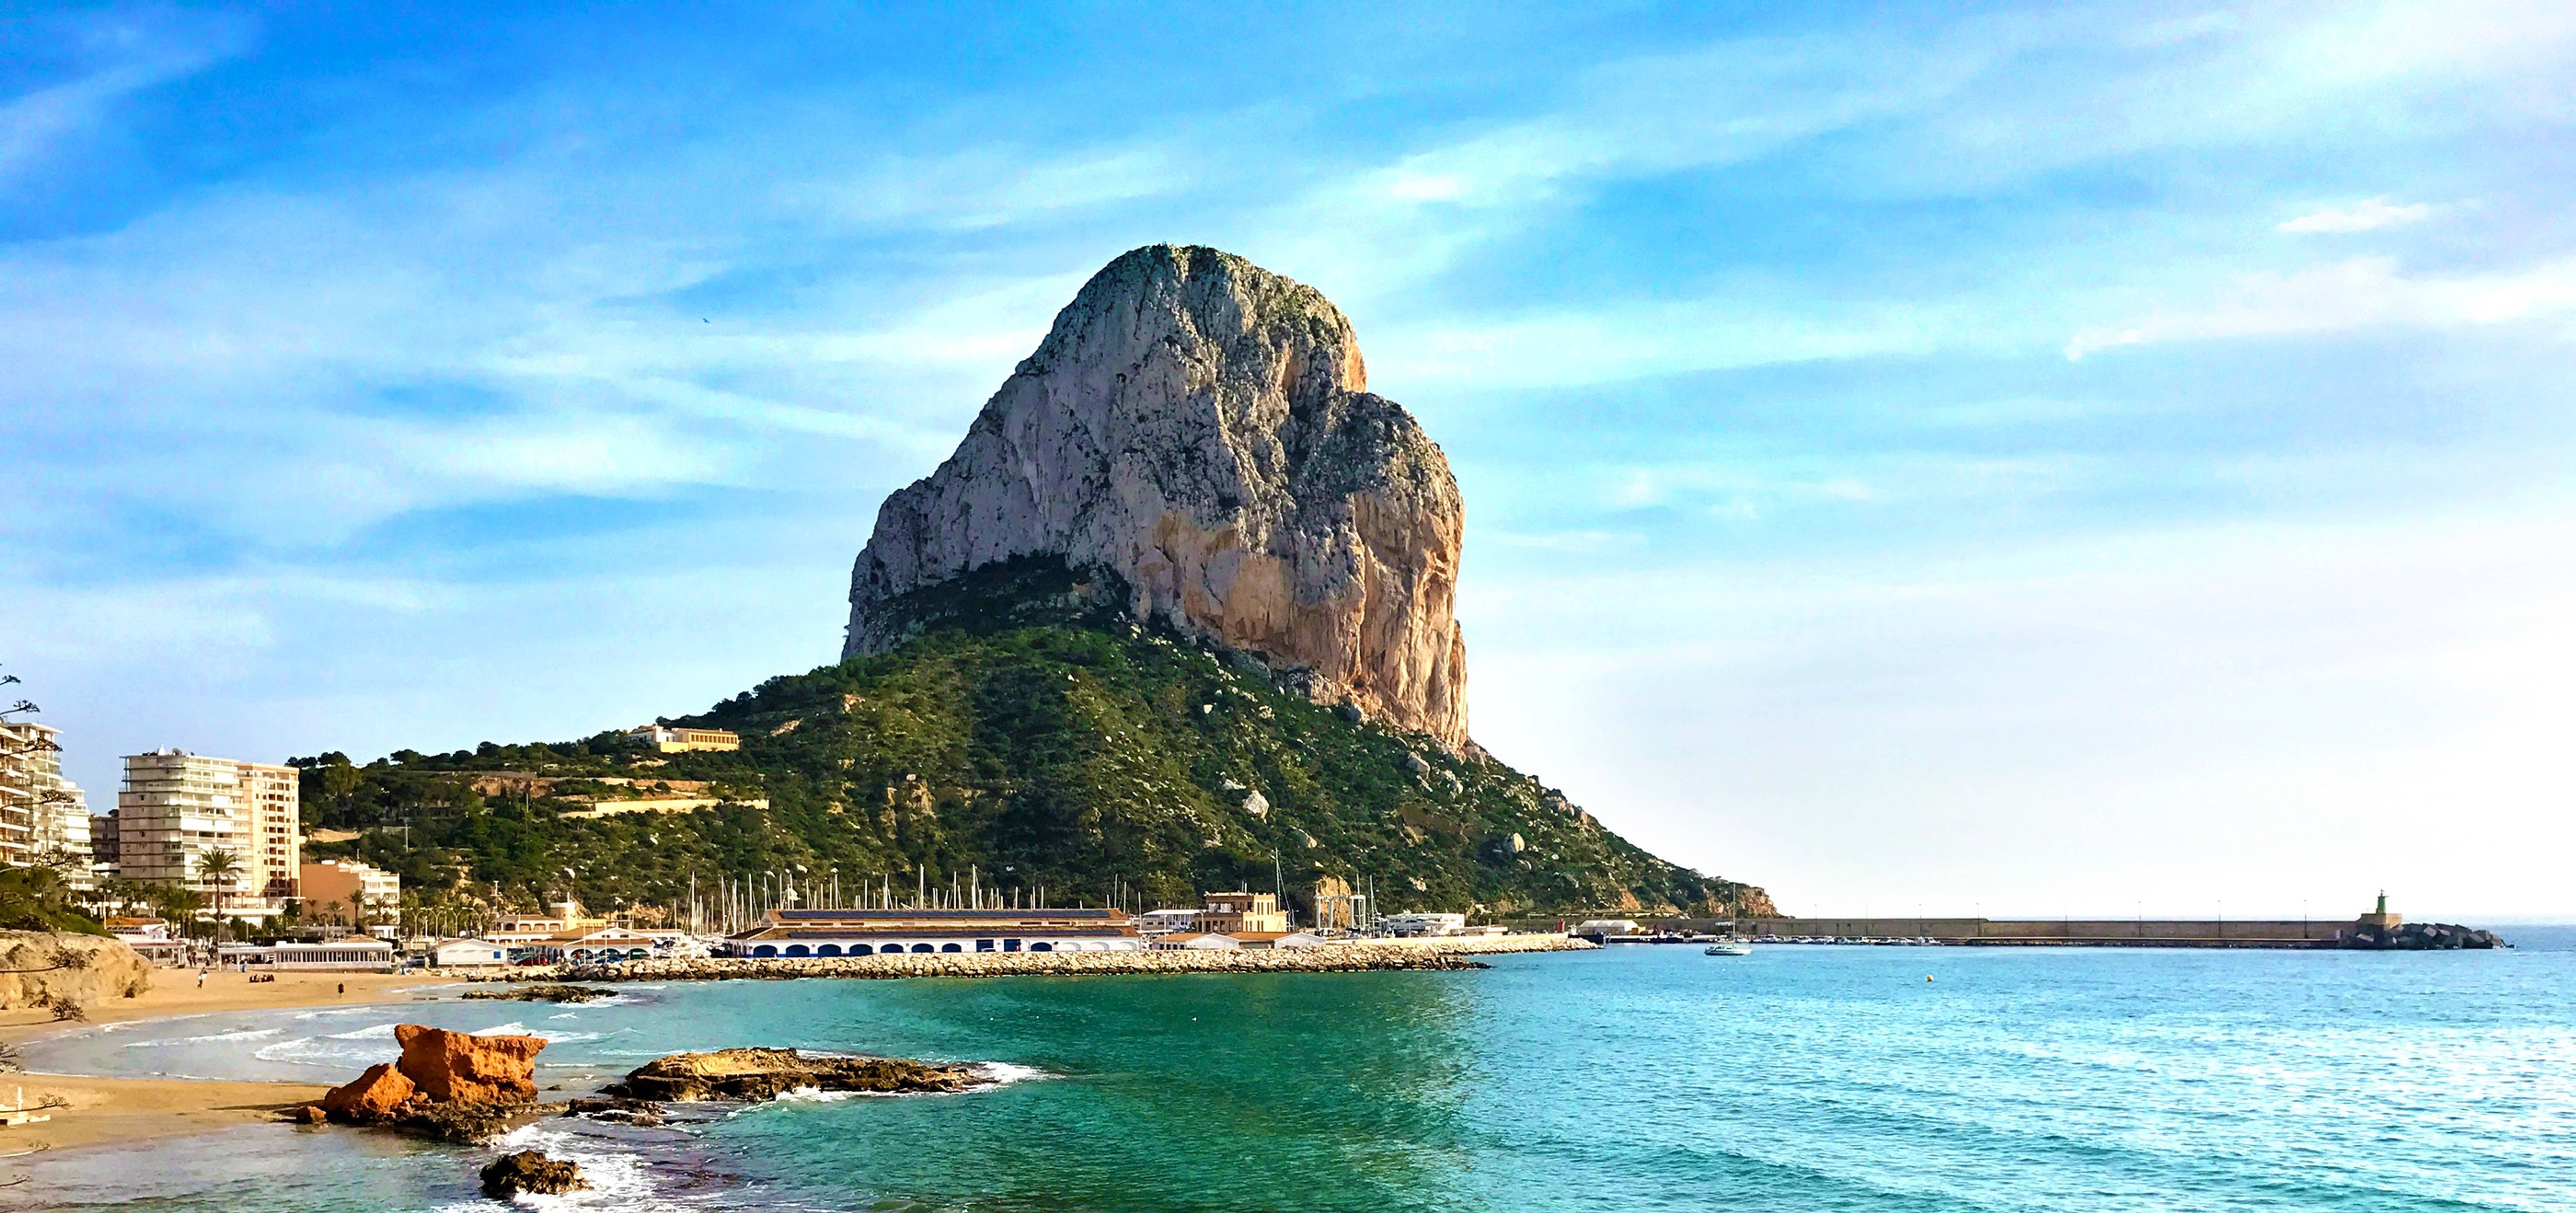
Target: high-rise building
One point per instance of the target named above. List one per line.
(102, 842)
(44, 818)
(177, 808)
(274, 847)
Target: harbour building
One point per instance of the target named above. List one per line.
(573, 934)
(1242, 912)
(803, 933)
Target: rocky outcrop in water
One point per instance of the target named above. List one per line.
(544, 994)
(454, 1067)
(449, 1085)
(532, 1172)
(2417, 937)
(642, 1113)
(763, 1074)
(1202, 430)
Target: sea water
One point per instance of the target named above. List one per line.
(1797, 1079)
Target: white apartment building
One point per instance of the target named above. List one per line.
(44, 818)
(176, 807)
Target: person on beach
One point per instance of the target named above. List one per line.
(201, 979)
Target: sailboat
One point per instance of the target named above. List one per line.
(1732, 945)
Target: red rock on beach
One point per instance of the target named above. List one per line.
(375, 1096)
(453, 1067)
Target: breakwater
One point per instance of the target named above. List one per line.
(1356, 956)
(2111, 932)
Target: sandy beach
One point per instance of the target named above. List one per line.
(107, 1110)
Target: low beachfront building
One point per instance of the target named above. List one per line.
(150, 937)
(1275, 939)
(804, 933)
(354, 954)
(137, 929)
(1179, 941)
(570, 934)
(612, 943)
(467, 953)
(1165, 922)
(566, 921)
(1425, 924)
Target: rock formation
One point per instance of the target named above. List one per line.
(545, 993)
(45, 968)
(1203, 429)
(2416, 937)
(448, 1085)
(760, 1074)
(373, 1097)
(454, 1067)
(532, 1172)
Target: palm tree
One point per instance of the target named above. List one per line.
(217, 869)
(178, 905)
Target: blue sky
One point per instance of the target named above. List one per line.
(2032, 460)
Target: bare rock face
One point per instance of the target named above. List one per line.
(455, 1067)
(38, 968)
(372, 1098)
(1203, 429)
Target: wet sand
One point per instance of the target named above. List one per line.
(107, 1110)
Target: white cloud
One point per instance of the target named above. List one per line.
(996, 185)
(139, 50)
(2363, 292)
(1739, 325)
(2370, 214)
(600, 455)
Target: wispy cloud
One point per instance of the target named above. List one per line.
(2363, 292)
(2369, 214)
(124, 52)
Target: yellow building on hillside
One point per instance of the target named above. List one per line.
(673, 740)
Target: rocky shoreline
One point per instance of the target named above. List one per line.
(1328, 958)
(756, 1075)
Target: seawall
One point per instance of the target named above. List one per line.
(1356, 956)
(2041, 932)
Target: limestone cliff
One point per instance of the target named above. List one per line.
(40, 967)
(1203, 429)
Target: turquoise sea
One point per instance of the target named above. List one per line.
(1800, 1079)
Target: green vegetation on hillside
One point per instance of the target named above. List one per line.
(1029, 732)
(35, 899)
